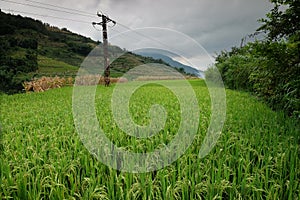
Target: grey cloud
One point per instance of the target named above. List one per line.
(216, 24)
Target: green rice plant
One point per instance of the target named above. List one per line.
(42, 156)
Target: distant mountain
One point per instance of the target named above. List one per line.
(173, 63)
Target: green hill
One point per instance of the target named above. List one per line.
(30, 48)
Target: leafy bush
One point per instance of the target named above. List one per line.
(276, 79)
(269, 68)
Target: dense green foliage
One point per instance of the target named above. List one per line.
(283, 20)
(269, 68)
(42, 157)
(24, 41)
(18, 55)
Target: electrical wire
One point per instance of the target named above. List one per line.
(10, 10)
(65, 8)
(46, 8)
(78, 12)
(87, 14)
(150, 38)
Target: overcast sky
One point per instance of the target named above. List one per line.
(214, 24)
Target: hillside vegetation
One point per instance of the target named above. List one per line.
(30, 48)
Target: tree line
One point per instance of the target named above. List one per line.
(268, 68)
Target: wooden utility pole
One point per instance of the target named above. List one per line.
(105, 20)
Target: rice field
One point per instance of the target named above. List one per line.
(42, 156)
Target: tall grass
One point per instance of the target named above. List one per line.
(42, 157)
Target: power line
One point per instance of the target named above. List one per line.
(150, 38)
(86, 15)
(65, 8)
(46, 8)
(143, 35)
(78, 12)
(67, 19)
